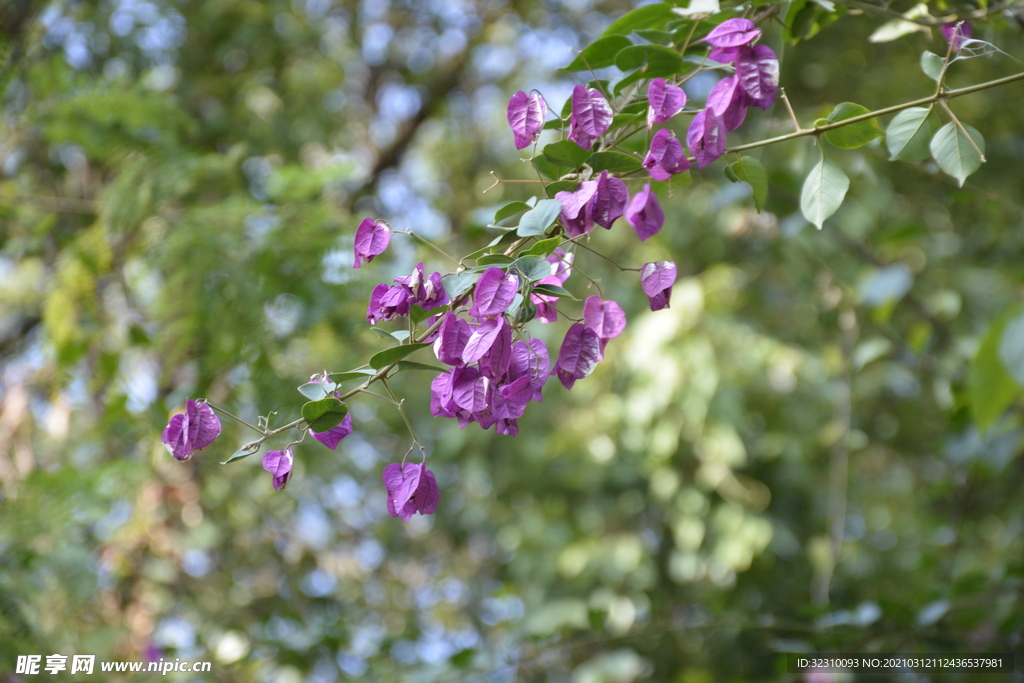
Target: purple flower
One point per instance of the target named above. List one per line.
(578, 355)
(495, 362)
(591, 116)
(728, 101)
(609, 201)
(526, 117)
(706, 137)
(644, 213)
(562, 263)
(529, 360)
(411, 488)
(574, 216)
(733, 33)
(279, 464)
(372, 238)
(494, 293)
(387, 302)
(451, 339)
(666, 156)
(482, 338)
(545, 303)
(957, 33)
(606, 318)
(332, 437)
(657, 279)
(598, 201)
(428, 293)
(757, 70)
(192, 431)
(665, 100)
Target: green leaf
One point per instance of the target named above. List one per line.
(560, 186)
(418, 314)
(1011, 348)
(339, 377)
(393, 355)
(599, 54)
(931, 65)
(537, 220)
(566, 153)
(413, 365)
(615, 162)
(241, 453)
(823, 192)
(543, 248)
(315, 391)
(751, 171)
(533, 268)
(509, 210)
(494, 260)
(991, 387)
(909, 133)
(456, 284)
(554, 290)
(620, 120)
(655, 60)
(325, 414)
(853, 135)
(548, 167)
(648, 16)
(955, 153)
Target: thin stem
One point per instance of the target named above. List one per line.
(596, 252)
(398, 404)
(428, 243)
(789, 108)
(235, 418)
(380, 396)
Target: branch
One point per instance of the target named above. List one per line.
(817, 130)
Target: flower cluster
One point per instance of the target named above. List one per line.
(754, 84)
(395, 301)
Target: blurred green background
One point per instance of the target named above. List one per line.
(789, 459)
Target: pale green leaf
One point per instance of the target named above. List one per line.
(823, 193)
(955, 153)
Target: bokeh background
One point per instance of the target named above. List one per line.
(789, 459)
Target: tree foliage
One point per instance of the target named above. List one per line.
(814, 448)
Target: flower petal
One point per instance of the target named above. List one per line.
(644, 213)
(733, 33)
(494, 292)
(372, 238)
(203, 425)
(665, 101)
(591, 116)
(526, 117)
(332, 437)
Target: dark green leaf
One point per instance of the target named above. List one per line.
(855, 134)
(648, 16)
(413, 365)
(537, 220)
(620, 120)
(241, 453)
(752, 172)
(548, 167)
(599, 54)
(615, 162)
(325, 414)
(543, 248)
(566, 153)
(393, 355)
(339, 377)
(494, 260)
(418, 314)
(554, 290)
(654, 60)
(509, 210)
(560, 186)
